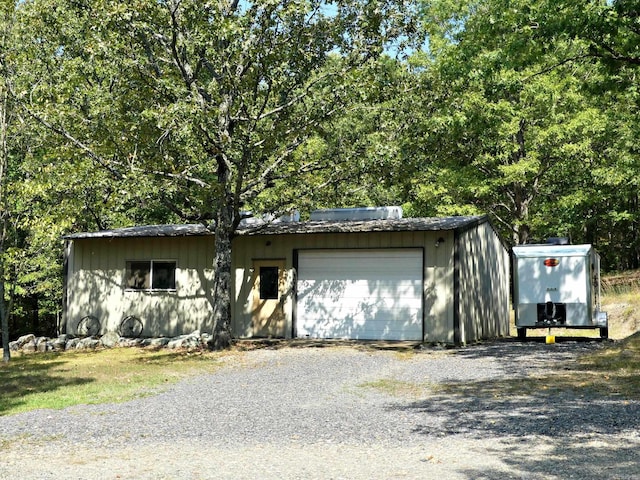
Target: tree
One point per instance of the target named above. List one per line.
(609, 34)
(512, 120)
(7, 116)
(4, 163)
(206, 104)
(362, 144)
(608, 28)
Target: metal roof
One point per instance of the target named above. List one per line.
(541, 250)
(146, 231)
(281, 228)
(355, 226)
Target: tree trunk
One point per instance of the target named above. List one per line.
(521, 228)
(523, 234)
(523, 193)
(4, 164)
(222, 278)
(224, 231)
(4, 318)
(4, 308)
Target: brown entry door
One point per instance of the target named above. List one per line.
(268, 319)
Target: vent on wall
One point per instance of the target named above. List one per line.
(364, 213)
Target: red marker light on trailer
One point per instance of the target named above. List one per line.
(551, 262)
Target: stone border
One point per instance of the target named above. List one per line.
(32, 344)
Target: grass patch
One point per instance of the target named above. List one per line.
(612, 372)
(399, 388)
(621, 300)
(621, 283)
(59, 380)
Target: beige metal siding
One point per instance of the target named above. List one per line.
(439, 287)
(97, 277)
(438, 272)
(483, 284)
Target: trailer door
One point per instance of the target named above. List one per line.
(553, 286)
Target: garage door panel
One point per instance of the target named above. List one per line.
(382, 326)
(360, 294)
(360, 289)
(324, 267)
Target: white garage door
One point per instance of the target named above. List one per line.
(360, 294)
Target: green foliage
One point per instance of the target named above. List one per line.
(362, 146)
(521, 119)
(167, 94)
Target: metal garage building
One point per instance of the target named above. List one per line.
(353, 274)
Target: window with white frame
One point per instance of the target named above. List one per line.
(151, 275)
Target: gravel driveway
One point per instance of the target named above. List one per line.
(342, 413)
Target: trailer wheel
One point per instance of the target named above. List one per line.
(522, 333)
(604, 332)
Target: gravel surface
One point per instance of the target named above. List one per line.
(343, 413)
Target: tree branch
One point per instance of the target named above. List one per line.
(106, 164)
(556, 65)
(64, 133)
(614, 55)
(185, 69)
(297, 99)
(504, 222)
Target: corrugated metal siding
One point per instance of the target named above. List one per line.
(438, 271)
(483, 287)
(439, 287)
(97, 277)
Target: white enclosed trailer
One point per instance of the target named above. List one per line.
(557, 286)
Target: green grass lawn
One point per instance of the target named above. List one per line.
(59, 380)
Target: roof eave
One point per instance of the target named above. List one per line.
(433, 224)
(147, 231)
